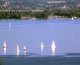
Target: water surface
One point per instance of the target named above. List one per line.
(65, 33)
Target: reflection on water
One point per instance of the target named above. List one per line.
(17, 50)
(24, 50)
(9, 25)
(53, 46)
(42, 47)
(4, 47)
(4, 51)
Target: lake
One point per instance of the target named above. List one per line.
(30, 33)
(47, 60)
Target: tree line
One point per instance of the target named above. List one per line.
(39, 15)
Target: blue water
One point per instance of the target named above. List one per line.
(65, 33)
(41, 60)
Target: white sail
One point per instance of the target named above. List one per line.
(4, 47)
(53, 46)
(24, 49)
(42, 47)
(17, 50)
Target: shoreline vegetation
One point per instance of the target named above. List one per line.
(62, 14)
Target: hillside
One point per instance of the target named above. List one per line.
(39, 4)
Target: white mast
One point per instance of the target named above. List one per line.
(4, 47)
(53, 46)
(17, 50)
(42, 47)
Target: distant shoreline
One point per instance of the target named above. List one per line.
(58, 14)
(39, 19)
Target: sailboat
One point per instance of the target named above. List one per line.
(24, 49)
(72, 18)
(4, 47)
(17, 50)
(9, 25)
(53, 46)
(42, 47)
